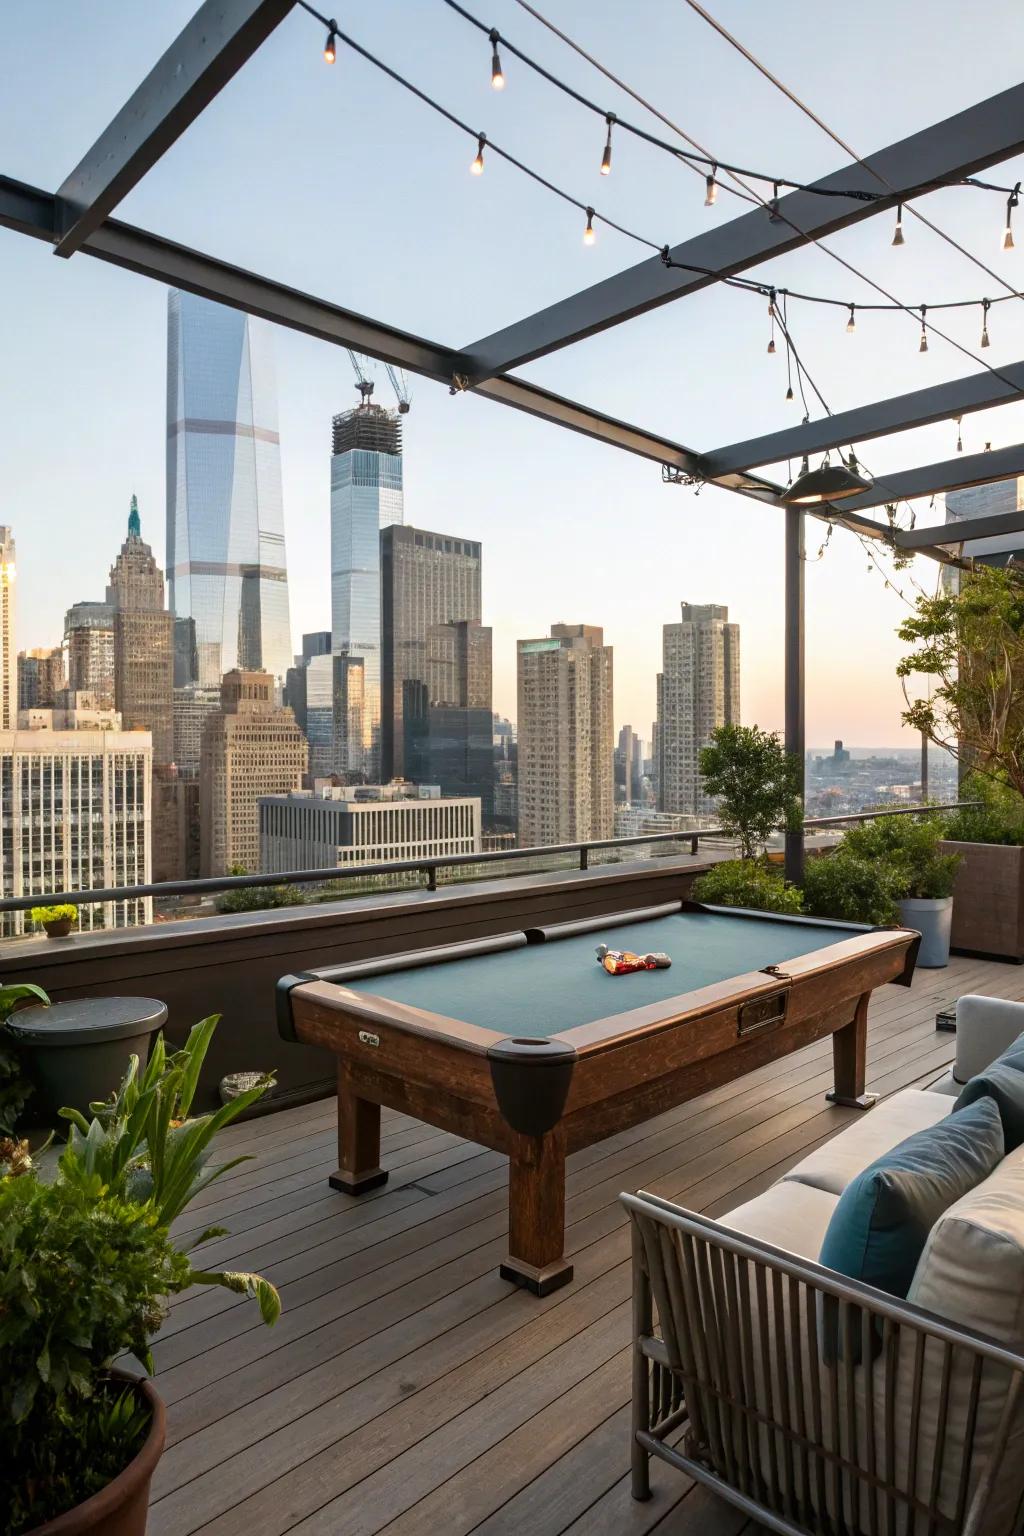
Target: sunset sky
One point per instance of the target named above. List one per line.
(337, 181)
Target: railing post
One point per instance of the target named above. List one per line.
(584, 858)
(794, 667)
(694, 845)
(431, 877)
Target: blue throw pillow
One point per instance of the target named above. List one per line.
(880, 1226)
(1003, 1082)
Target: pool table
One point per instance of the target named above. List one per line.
(523, 1043)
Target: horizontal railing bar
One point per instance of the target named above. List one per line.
(429, 867)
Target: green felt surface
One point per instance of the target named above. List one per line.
(541, 989)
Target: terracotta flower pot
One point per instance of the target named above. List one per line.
(59, 928)
(119, 1509)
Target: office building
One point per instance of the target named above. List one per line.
(366, 496)
(226, 564)
(40, 677)
(70, 712)
(251, 747)
(143, 642)
(190, 709)
(76, 817)
(364, 824)
(8, 654)
(186, 657)
(565, 768)
(325, 693)
(629, 767)
(698, 689)
(988, 501)
(89, 643)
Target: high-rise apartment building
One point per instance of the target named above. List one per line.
(366, 496)
(698, 689)
(89, 644)
(226, 564)
(565, 767)
(251, 747)
(40, 677)
(8, 653)
(76, 817)
(629, 766)
(987, 501)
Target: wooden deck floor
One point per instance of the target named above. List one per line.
(408, 1390)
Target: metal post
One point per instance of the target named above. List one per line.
(924, 768)
(795, 743)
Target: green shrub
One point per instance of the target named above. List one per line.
(851, 889)
(755, 781)
(41, 915)
(747, 883)
(909, 847)
(999, 819)
(259, 898)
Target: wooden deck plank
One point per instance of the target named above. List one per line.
(408, 1389)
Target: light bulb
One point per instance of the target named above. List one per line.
(897, 238)
(497, 74)
(331, 45)
(1007, 237)
(789, 393)
(477, 166)
(924, 333)
(984, 321)
(712, 190)
(606, 158)
(984, 337)
(588, 234)
(851, 324)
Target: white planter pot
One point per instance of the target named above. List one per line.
(933, 921)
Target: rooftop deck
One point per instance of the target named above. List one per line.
(407, 1389)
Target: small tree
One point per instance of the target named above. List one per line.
(970, 643)
(756, 782)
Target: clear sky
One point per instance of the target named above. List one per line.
(337, 181)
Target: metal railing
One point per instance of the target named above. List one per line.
(430, 866)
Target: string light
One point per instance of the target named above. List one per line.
(773, 207)
(851, 324)
(771, 312)
(897, 238)
(497, 73)
(959, 434)
(1011, 203)
(588, 234)
(985, 303)
(477, 167)
(606, 158)
(924, 331)
(711, 195)
(331, 45)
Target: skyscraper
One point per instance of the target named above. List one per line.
(629, 766)
(565, 737)
(40, 677)
(986, 501)
(143, 642)
(698, 689)
(89, 640)
(8, 654)
(225, 525)
(366, 496)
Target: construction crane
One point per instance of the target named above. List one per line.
(364, 382)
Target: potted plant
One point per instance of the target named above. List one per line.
(755, 781)
(988, 906)
(87, 1265)
(923, 875)
(57, 920)
(968, 643)
(747, 883)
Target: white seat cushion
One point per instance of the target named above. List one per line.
(789, 1216)
(837, 1163)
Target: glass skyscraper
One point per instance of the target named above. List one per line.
(366, 496)
(226, 565)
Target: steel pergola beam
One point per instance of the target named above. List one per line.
(220, 38)
(984, 134)
(963, 530)
(950, 475)
(901, 413)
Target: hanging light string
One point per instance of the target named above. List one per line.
(703, 161)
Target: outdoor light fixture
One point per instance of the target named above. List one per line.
(789, 393)
(331, 45)
(959, 435)
(711, 195)
(924, 331)
(773, 207)
(497, 74)
(477, 167)
(984, 321)
(588, 234)
(606, 158)
(851, 324)
(897, 238)
(829, 482)
(1011, 203)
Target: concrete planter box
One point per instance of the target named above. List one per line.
(988, 911)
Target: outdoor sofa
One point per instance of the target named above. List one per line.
(817, 1403)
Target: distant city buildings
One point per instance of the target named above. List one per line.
(226, 564)
(40, 677)
(8, 650)
(698, 689)
(986, 501)
(89, 644)
(191, 707)
(251, 747)
(143, 641)
(565, 770)
(366, 496)
(364, 824)
(629, 767)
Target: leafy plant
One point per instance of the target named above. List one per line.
(54, 914)
(259, 898)
(998, 819)
(755, 781)
(851, 889)
(970, 645)
(747, 883)
(87, 1264)
(15, 1087)
(909, 846)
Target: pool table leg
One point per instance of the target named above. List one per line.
(536, 1214)
(849, 1052)
(358, 1140)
